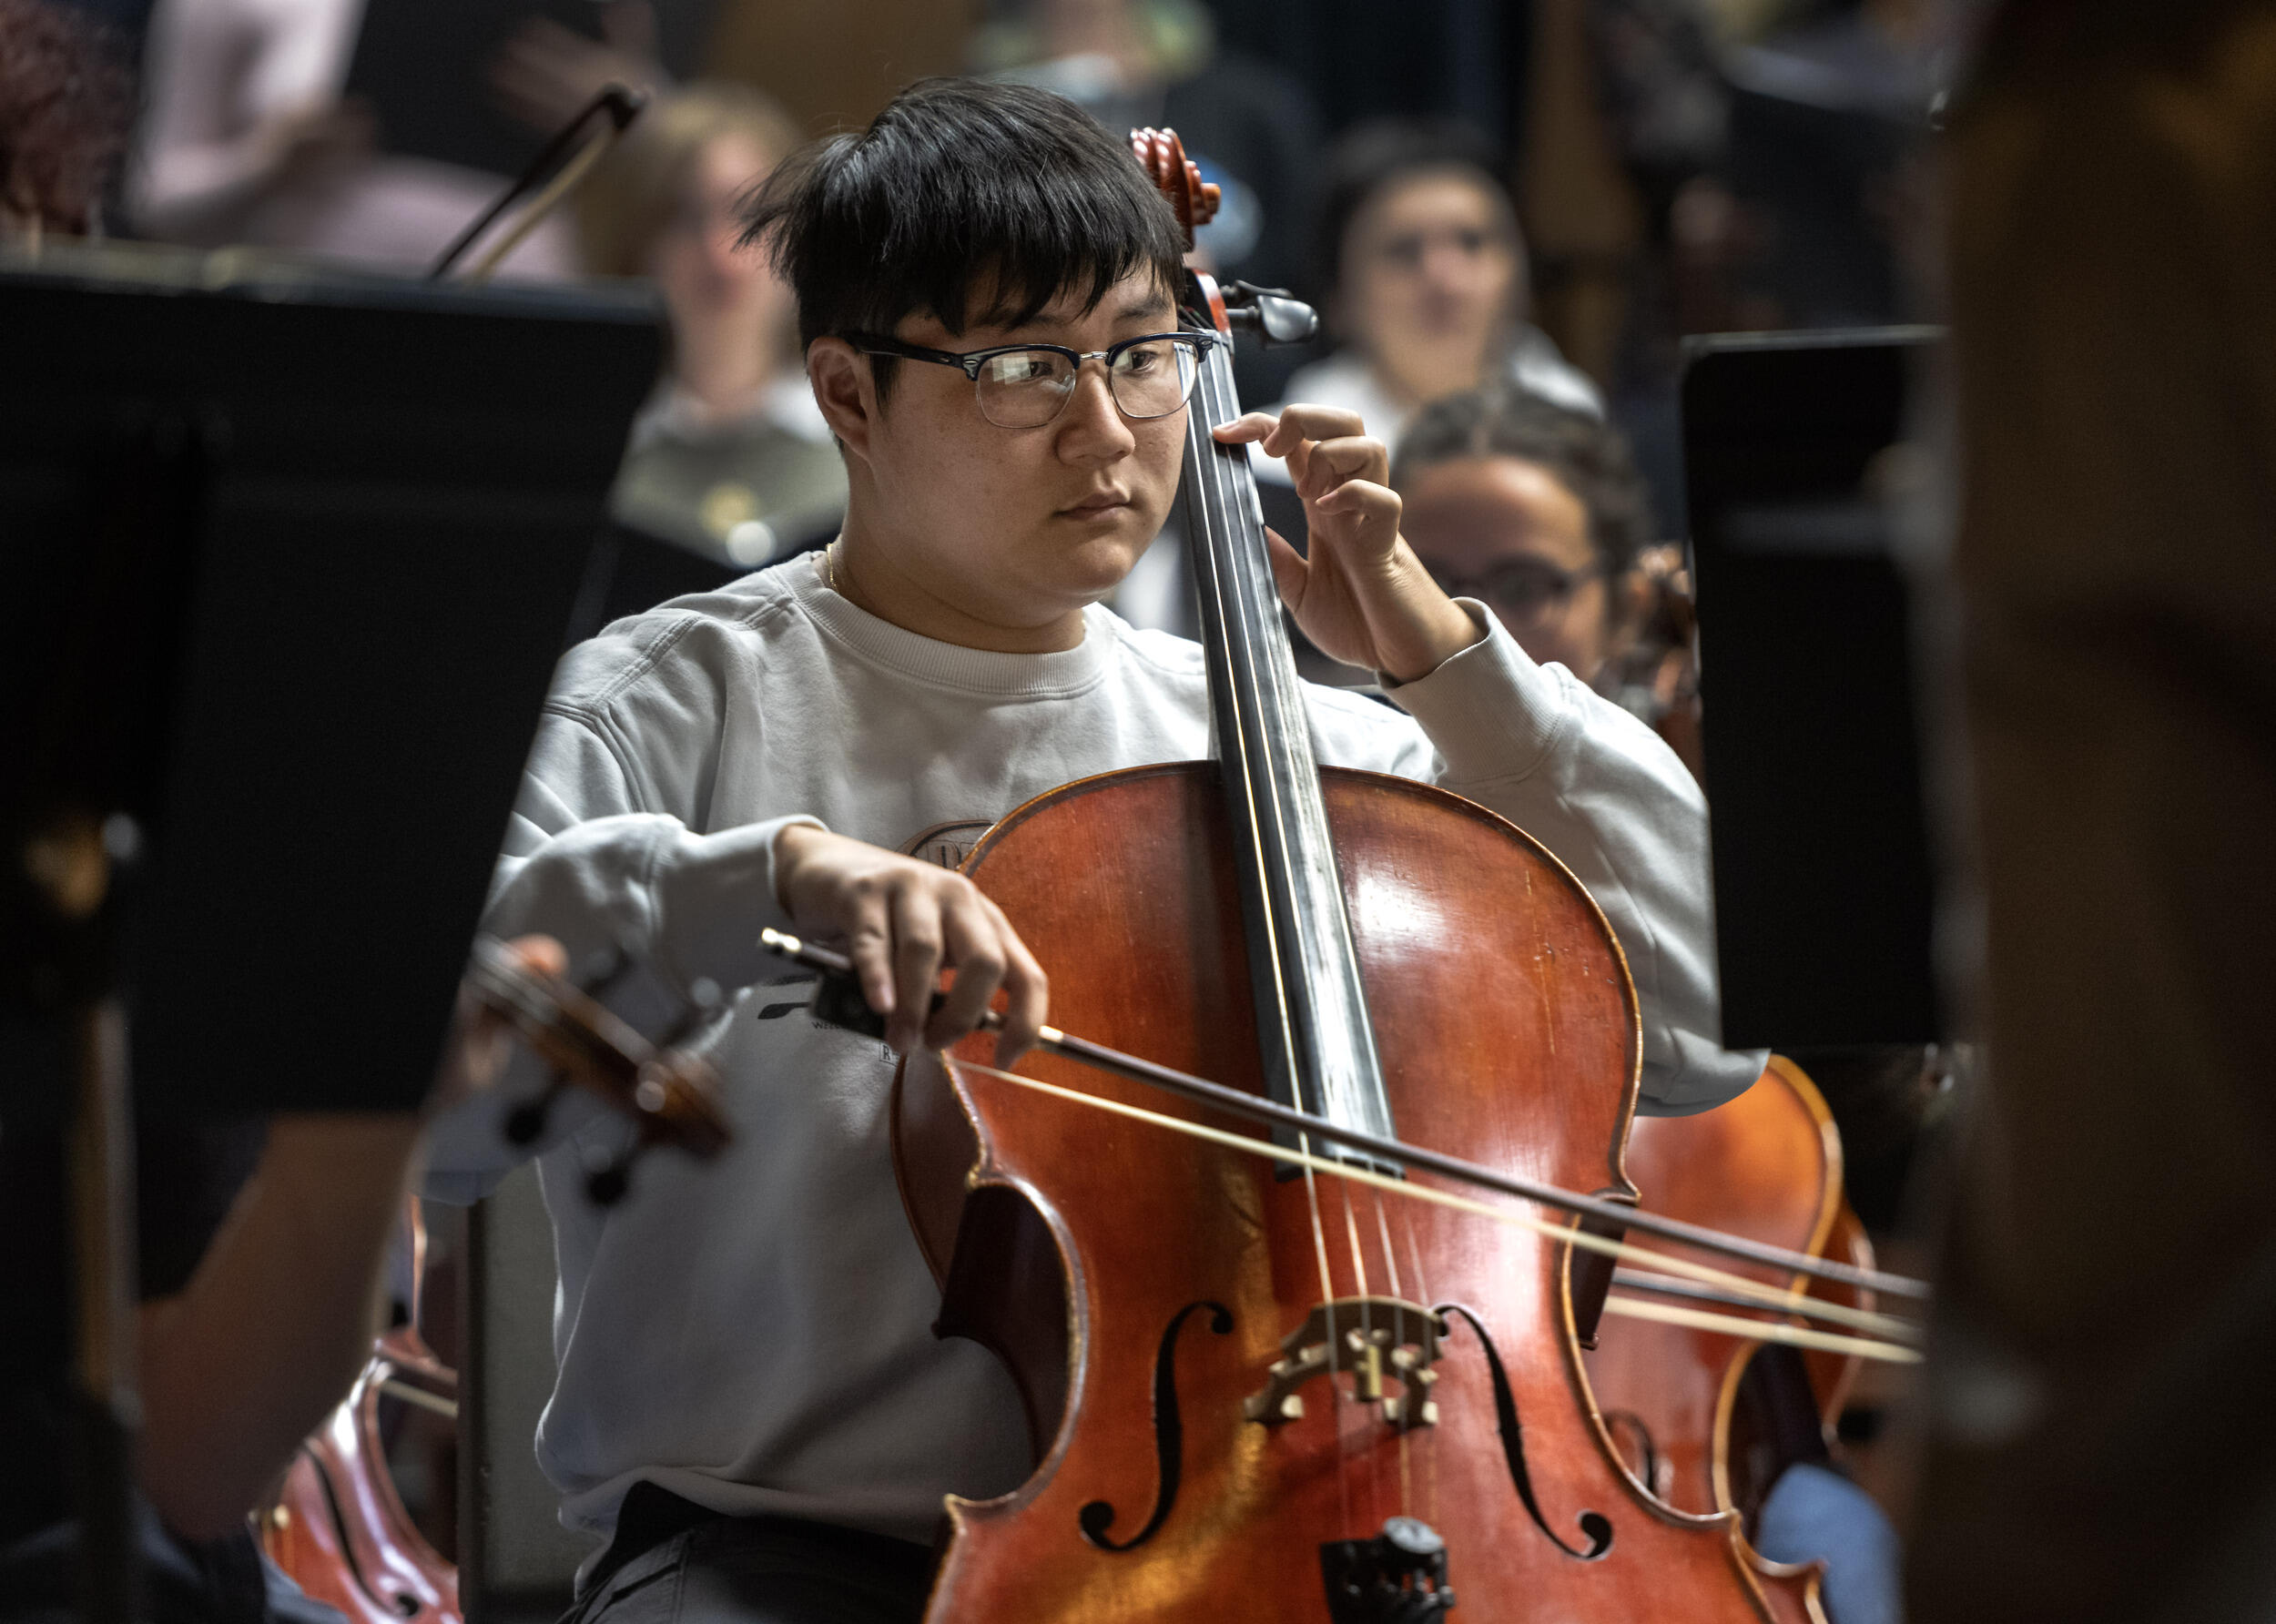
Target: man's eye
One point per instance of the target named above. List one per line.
(1144, 359)
(1027, 366)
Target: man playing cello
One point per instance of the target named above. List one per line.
(751, 1402)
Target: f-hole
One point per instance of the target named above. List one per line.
(1169, 1437)
(1595, 1525)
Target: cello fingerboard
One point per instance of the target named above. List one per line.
(1319, 1048)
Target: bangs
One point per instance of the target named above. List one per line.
(979, 204)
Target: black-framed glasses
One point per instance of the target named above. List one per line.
(1522, 590)
(1025, 386)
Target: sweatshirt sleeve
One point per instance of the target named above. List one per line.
(651, 909)
(1601, 790)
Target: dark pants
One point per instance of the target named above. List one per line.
(672, 1562)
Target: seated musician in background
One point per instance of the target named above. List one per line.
(1426, 281)
(730, 456)
(263, 1249)
(1539, 513)
(750, 1398)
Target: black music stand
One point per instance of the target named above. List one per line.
(289, 554)
(359, 513)
(1823, 869)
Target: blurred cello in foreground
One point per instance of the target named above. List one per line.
(1259, 1384)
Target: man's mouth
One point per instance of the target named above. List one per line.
(1098, 505)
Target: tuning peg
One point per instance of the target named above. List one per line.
(526, 1120)
(1274, 314)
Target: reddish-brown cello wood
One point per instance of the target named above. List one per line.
(336, 1524)
(1508, 1029)
(1767, 1165)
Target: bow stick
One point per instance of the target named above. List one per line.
(840, 1002)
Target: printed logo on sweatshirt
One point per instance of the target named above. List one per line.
(949, 844)
(946, 843)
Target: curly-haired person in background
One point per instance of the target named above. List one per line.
(66, 97)
(1540, 512)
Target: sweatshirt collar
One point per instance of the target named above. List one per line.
(949, 665)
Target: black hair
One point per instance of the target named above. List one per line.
(961, 185)
(1368, 159)
(1587, 456)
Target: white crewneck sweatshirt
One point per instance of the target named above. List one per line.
(755, 1333)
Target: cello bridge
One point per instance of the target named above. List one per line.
(1377, 1341)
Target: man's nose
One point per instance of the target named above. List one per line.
(1093, 426)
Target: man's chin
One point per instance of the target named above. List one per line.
(1096, 563)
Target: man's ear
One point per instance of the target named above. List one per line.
(846, 392)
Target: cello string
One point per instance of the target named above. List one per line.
(1422, 1294)
(1212, 542)
(1429, 1445)
(1732, 1325)
(1771, 1298)
(1398, 1339)
(1099, 1056)
(1881, 1324)
(1776, 1299)
(1327, 1294)
(1369, 1354)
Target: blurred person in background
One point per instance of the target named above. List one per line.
(545, 74)
(1424, 282)
(66, 96)
(1253, 128)
(730, 457)
(1423, 269)
(1539, 512)
(2099, 1437)
(246, 138)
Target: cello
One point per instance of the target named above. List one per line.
(1768, 1164)
(1257, 1384)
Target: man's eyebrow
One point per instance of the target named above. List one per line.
(1155, 306)
(1148, 306)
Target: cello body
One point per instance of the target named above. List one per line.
(336, 1523)
(1141, 1285)
(1766, 1165)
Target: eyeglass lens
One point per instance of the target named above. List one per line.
(1025, 388)
(1520, 590)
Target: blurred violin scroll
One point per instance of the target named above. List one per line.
(337, 1523)
(671, 1096)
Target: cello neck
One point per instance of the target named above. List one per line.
(1317, 1042)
